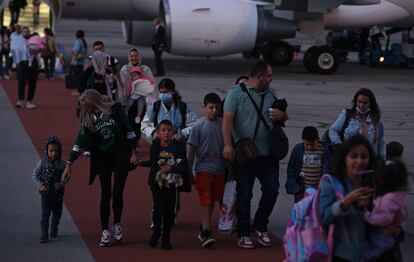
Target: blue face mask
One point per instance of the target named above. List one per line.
(166, 97)
(363, 112)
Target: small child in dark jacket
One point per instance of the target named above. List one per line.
(47, 174)
(308, 161)
(168, 175)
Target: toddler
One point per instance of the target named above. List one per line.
(47, 174)
(390, 206)
(139, 87)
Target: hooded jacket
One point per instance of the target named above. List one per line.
(49, 171)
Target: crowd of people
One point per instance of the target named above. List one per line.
(116, 107)
(26, 51)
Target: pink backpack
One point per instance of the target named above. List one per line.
(305, 238)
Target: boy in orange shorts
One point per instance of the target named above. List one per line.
(205, 159)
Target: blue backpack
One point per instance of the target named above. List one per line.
(305, 238)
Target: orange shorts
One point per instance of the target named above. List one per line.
(210, 188)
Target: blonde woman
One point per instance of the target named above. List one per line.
(105, 131)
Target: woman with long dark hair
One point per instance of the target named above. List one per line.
(105, 131)
(353, 157)
(49, 54)
(363, 118)
(169, 107)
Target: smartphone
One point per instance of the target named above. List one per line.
(366, 178)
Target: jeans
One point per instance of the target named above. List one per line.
(164, 207)
(51, 204)
(49, 62)
(26, 74)
(266, 169)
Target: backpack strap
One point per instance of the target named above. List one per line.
(156, 109)
(183, 110)
(348, 115)
(338, 187)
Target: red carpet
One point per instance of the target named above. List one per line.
(55, 115)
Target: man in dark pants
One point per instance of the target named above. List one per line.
(158, 45)
(240, 120)
(27, 68)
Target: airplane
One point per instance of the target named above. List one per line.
(214, 27)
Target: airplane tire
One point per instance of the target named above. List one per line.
(307, 59)
(324, 60)
(279, 53)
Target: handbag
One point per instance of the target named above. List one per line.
(245, 151)
(73, 81)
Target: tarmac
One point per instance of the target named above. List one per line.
(313, 100)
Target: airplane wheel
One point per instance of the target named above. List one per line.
(307, 59)
(322, 60)
(279, 53)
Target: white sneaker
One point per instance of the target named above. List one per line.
(20, 103)
(117, 232)
(29, 105)
(105, 239)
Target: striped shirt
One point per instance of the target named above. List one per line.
(311, 171)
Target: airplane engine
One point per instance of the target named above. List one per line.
(216, 27)
(360, 16)
(137, 32)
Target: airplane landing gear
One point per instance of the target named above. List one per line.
(278, 53)
(321, 60)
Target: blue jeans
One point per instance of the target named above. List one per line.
(266, 169)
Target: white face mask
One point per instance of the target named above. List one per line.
(363, 112)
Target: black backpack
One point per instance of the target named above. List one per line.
(97, 82)
(181, 105)
(326, 140)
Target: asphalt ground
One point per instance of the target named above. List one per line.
(313, 100)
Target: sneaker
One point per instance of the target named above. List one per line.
(7, 77)
(117, 232)
(105, 239)
(54, 233)
(263, 238)
(20, 103)
(165, 242)
(43, 240)
(153, 241)
(29, 105)
(206, 238)
(245, 242)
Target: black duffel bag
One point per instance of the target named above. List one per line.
(72, 80)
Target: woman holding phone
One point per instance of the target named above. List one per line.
(351, 159)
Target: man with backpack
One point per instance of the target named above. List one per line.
(241, 123)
